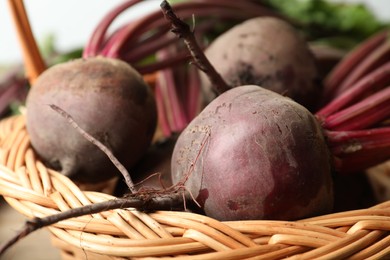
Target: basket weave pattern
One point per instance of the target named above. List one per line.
(36, 191)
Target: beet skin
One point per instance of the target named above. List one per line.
(108, 99)
(256, 155)
(267, 52)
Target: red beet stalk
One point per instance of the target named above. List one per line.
(340, 76)
(98, 36)
(371, 82)
(174, 105)
(366, 113)
(354, 121)
(356, 150)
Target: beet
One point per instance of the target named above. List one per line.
(256, 155)
(267, 52)
(108, 99)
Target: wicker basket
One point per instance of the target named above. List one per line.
(34, 190)
(379, 177)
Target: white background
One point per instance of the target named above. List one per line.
(73, 21)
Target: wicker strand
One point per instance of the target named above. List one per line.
(37, 191)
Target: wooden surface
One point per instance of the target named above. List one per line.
(36, 246)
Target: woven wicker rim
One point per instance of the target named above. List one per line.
(35, 190)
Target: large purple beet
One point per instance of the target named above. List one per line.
(108, 99)
(256, 155)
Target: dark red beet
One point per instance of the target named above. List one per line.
(108, 99)
(256, 155)
(267, 52)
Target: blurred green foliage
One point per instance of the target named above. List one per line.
(52, 55)
(339, 24)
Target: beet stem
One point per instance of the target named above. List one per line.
(367, 138)
(374, 81)
(193, 95)
(359, 149)
(163, 64)
(161, 112)
(372, 61)
(182, 29)
(232, 9)
(370, 111)
(145, 49)
(166, 77)
(353, 58)
(94, 44)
